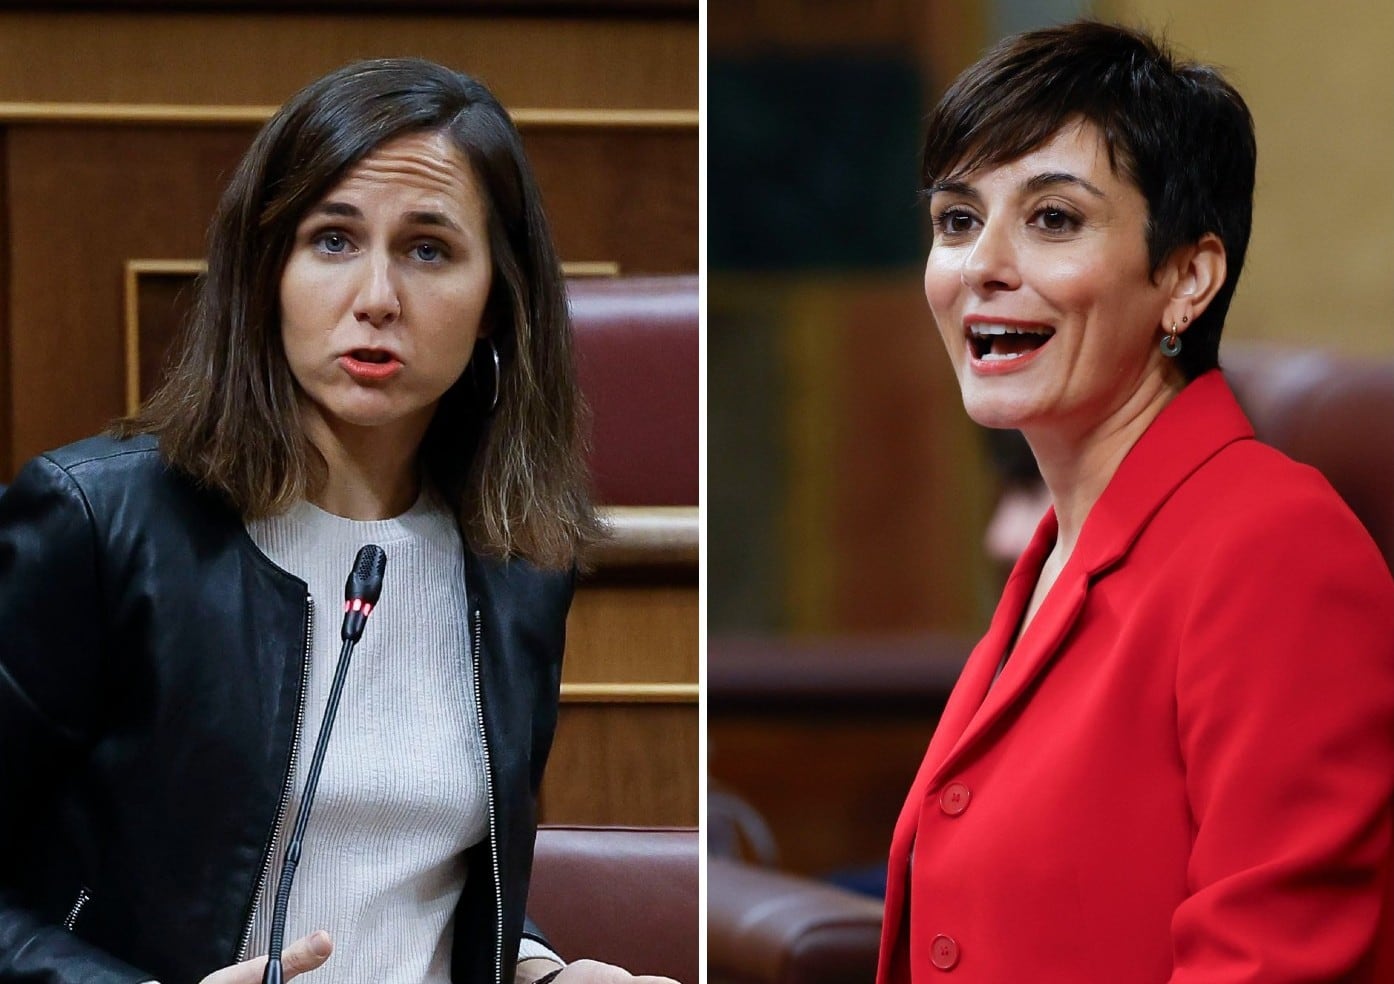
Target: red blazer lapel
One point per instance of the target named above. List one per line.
(975, 684)
(1200, 421)
(1033, 652)
(975, 681)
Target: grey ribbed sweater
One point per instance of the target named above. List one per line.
(402, 792)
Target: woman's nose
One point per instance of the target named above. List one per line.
(992, 262)
(378, 302)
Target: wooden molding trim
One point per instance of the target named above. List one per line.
(135, 269)
(583, 268)
(169, 113)
(630, 693)
(648, 536)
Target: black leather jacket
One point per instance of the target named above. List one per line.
(151, 669)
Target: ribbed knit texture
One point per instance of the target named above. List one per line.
(402, 793)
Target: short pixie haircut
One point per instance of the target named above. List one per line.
(228, 413)
(1177, 130)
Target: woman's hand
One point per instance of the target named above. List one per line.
(595, 972)
(303, 955)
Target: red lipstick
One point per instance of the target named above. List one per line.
(370, 365)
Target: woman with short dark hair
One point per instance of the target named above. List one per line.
(1171, 758)
(380, 352)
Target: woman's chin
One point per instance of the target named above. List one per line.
(372, 411)
(996, 421)
(995, 411)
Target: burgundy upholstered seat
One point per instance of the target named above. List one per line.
(622, 895)
(637, 362)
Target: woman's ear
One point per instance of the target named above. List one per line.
(1199, 271)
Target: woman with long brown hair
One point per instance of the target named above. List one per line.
(380, 352)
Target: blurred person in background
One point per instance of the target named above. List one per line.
(380, 352)
(1022, 499)
(1171, 757)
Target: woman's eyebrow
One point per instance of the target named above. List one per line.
(341, 209)
(952, 186)
(425, 218)
(432, 219)
(1052, 178)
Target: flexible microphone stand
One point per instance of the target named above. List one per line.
(361, 593)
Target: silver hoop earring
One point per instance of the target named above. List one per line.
(491, 404)
(1171, 343)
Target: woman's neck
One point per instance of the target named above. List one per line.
(1077, 465)
(371, 472)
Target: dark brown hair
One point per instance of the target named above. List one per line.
(228, 412)
(1178, 131)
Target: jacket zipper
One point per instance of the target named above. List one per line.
(489, 789)
(83, 897)
(285, 786)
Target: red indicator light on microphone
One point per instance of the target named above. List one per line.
(361, 590)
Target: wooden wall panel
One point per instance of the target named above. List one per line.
(82, 202)
(157, 299)
(623, 763)
(830, 784)
(631, 197)
(87, 197)
(633, 633)
(630, 62)
(631, 756)
(626, 749)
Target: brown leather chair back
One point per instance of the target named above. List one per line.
(623, 895)
(766, 927)
(1333, 412)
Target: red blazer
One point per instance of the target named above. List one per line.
(1184, 772)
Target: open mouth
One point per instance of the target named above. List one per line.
(370, 365)
(1000, 343)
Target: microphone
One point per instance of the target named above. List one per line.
(362, 589)
(361, 592)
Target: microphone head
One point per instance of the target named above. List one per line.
(365, 580)
(362, 589)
